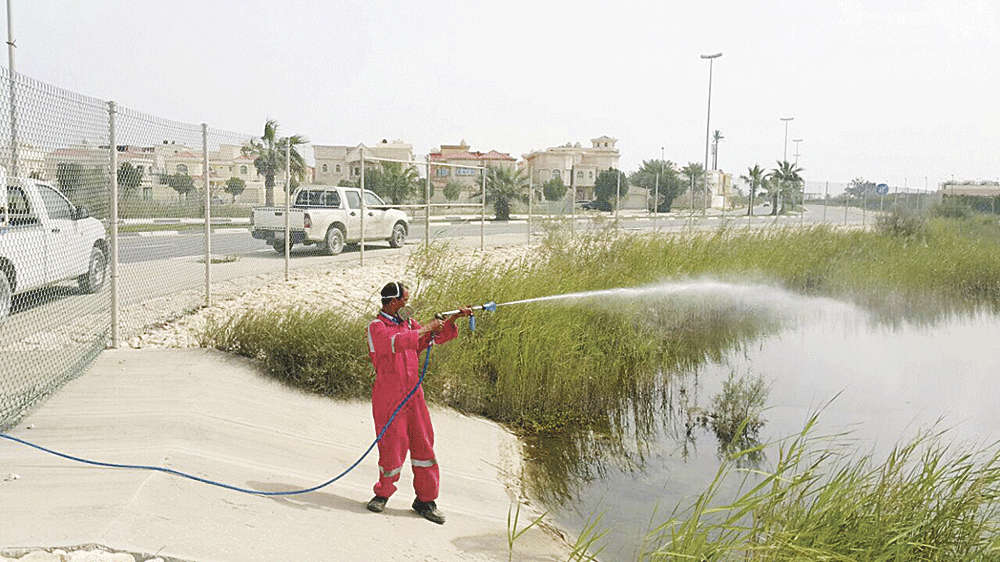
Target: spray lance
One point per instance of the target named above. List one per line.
(488, 307)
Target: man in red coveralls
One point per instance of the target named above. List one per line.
(394, 340)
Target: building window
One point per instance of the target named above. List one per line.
(442, 172)
(465, 172)
(556, 174)
(325, 169)
(182, 169)
(243, 170)
(337, 168)
(591, 174)
(579, 175)
(356, 171)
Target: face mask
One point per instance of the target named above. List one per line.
(405, 313)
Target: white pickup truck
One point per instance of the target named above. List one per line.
(46, 239)
(330, 216)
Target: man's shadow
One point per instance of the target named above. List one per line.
(310, 500)
(321, 500)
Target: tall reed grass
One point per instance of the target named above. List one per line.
(545, 365)
(926, 501)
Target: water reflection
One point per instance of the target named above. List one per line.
(735, 417)
(738, 376)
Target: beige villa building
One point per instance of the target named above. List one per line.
(335, 164)
(575, 165)
(168, 158)
(462, 167)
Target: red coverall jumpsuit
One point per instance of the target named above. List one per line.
(393, 346)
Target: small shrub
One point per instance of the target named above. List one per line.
(951, 208)
(902, 222)
(320, 351)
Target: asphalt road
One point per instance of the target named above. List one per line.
(238, 242)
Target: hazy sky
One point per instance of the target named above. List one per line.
(892, 90)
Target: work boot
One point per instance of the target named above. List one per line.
(429, 511)
(377, 504)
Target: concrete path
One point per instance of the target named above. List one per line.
(216, 416)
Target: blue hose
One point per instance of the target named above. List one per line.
(427, 360)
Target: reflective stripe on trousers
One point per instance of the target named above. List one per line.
(416, 463)
(389, 473)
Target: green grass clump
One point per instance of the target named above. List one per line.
(319, 351)
(924, 502)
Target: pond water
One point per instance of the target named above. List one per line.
(883, 379)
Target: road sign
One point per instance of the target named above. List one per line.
(882, 189)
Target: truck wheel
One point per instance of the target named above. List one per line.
(5, 296)
(398, 235)
(93, 280)
(279, 246)
(334, 241)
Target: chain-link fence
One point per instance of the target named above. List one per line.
(54, 295)
(72, 164)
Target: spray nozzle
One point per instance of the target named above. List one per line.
(488, 307)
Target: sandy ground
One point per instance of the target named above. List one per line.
(350, 287)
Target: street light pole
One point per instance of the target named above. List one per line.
(784, 154)
(796, 141)
(708, 122)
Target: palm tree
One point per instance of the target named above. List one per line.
(397, 183)
(716, 137)
(269, 157)
(503, 186)
(693, 173)
(788, 181)
(755, 178)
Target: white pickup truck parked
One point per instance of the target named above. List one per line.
(330, 216)
(46, 239)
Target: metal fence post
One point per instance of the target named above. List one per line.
(572, 187)
(363, 208)
(826, 198)
(531, 197)
(208, 214)
(864, 209)
(113, 147)
(288, 208)
(482, 216)
(427, 224)
(15, 166)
